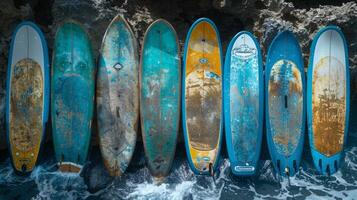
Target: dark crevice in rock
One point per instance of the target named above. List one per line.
(43, 14)
(19, 3)
(259, 5)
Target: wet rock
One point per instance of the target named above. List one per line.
(305, 23)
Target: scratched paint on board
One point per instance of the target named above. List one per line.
(72, 93)
(26, 112)
(117, 97)
(160, 96)
(203, 95)
(286, 106)
(244, 101)
(329, 105)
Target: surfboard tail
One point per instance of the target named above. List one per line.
(69, 167)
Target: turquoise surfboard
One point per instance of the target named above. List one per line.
(27, 95)
(285, 103)
(160, 89)
(243, 100)
(328, 96)
(72, 96)
(118, 96)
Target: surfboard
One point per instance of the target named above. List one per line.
(243, 103)
(160, 89)
(118, 96)
(328, 94)
(72, 95)
(27, 95)
(285, 103)
(202, 96)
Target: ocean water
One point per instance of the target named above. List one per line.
(45, 182)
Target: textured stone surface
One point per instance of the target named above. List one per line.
(264, 18)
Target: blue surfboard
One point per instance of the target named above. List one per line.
(285, 103)
(328, 94)
(72, 96)
(160, 89)
(243, 99)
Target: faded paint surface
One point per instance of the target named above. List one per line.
(329, 105)
(329, 100)
(244, 100)
(72, 94)
(26, 95)
(203, 90)
(160, 96)
(118, 96)
(285, 95)
(26, 108)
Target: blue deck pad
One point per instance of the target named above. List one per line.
(285, 118)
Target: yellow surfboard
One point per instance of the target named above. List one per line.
(202, 96)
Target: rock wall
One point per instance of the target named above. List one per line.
(265, 18)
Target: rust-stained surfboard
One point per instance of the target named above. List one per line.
(27, 95)
(160, 89)
(285, 103)
(328, 98)
(202, 96)
(118, 96)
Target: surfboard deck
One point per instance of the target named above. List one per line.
(285, 110)
(27, 95)
(328, 98)
(243, 103)
(118, 96)
(160, 87)
(72, 95)
(202, 96)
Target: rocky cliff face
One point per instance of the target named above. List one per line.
(265, 18)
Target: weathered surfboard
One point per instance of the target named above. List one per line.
(72, 96)
(27, 95)
(328, 95)
(160, 87)
(202, 96)
(285, 108)
(243, 103)
(118, 96)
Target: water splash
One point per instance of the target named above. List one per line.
(45, 182)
